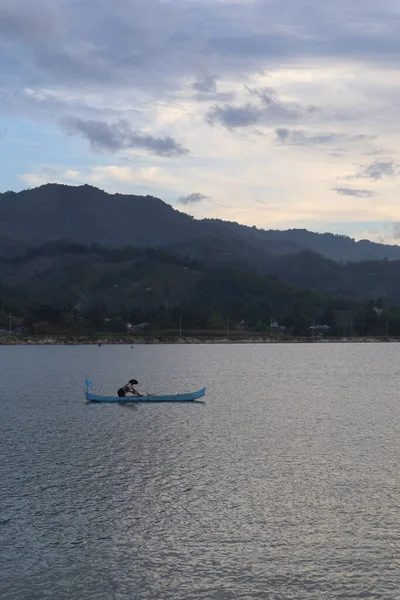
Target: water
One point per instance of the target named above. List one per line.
(285, 485)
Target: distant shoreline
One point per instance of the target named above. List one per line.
(107, 341)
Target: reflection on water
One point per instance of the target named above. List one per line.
(284, 485)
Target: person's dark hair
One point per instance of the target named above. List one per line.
(133, 381)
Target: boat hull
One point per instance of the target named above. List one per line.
(189, 397)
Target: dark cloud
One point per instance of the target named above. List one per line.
(154, 44)
(269, 110)
(127, 52)
(234, 116)
(280, 108)
(217, 97)
(206, 84)
(377, 170)
(287, 136)
(119, 136)
(35, 22)
(300, 138)
(303, 28)
(192, 198)
(345, 191)
(206, 90)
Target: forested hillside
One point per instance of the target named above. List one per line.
(58, 280)
(87, 215)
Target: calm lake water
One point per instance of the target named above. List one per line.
(284, 485)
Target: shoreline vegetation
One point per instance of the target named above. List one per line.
(99, 340)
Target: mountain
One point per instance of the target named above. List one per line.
(76, 288)
(87, 215)
(68, 285)
(68, 251)
(59, 272)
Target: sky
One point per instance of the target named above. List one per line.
(275, 113)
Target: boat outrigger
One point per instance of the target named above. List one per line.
(189, 397)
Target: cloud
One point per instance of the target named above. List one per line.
(154, 44)
(269, 97)
(119, 136)
(25, 20)
(217, 97)
(207, 90)
(345, 191)
(377, 170)
(396, 230)
(372, 235)
(206, 84)
(42, 176)
(115, 177)
(192, 198)
(301, 138)
(234, 116)
(287, 136)
(136, 74)
(269, 110)
(302, 29)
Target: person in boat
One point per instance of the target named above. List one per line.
(128, 389)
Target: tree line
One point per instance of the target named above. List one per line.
(371, 318)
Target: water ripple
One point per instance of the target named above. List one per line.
(283, 486)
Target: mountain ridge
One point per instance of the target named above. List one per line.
(154, 285)
(86, 214)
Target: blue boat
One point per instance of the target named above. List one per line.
(189, 397)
